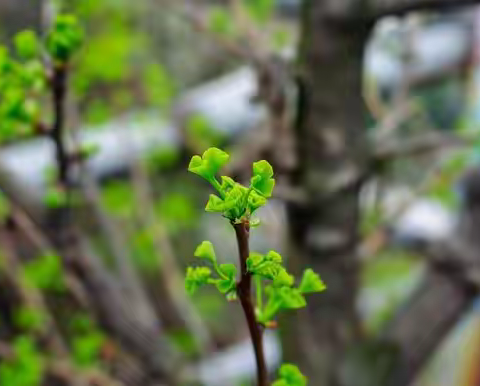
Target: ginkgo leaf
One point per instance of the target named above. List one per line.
(227, 282)
(262, 180)
(196, 277)
(206, 251)
(26, 44)
(283, 278)
(311, 282)
(208, 165)
(215, 204)
(290, 375)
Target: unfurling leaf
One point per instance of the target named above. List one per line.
(64, 38)
(205, 251)
(209, 164)
(262, 180)
(196, 277)
(311, 282)
(26, 44)
(268, 266)
(290, 375)
(227, 282)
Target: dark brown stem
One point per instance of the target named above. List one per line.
(244, 292)
(59, 86)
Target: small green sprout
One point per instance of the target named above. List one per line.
(26, 368)
(64, 38)
(290, 375)
(26, 44)
(237, 203)
(45, 273)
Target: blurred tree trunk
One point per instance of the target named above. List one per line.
(333, 160)
(332, 153)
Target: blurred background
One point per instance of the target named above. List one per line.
(369, 112)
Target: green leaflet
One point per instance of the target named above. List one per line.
(27, 368)
(260, 10)
(262, 180)
(280, 298)
(311, 282)
(45, 273)
(209, 164)
(64, 38)
(26, 44)
(290, 375)
(196, 277)
(227, 282)
(269, 266)
(205, 251)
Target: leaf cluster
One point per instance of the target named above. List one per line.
(23, 78)
(26, 368)
(234, 201)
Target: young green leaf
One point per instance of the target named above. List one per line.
(64, 38)
(26, 44)
(205, 251)
(196, 277)
(283, 278)
(311, 282)
(268, 266)
(45, 272)
(290, 375)
(260, 10)
(262, 180)
(215, 204)
(209, 164)
(227, 282)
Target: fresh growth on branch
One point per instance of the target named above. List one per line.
(275, 288)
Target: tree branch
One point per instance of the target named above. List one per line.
(244, 292)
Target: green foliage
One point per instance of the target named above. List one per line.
(87, 348)
(29, 319)
(201, 132)
(177, 211)
(27, 366)
(87, 342)
(262, 180)
(184, 341)
(158, 84)
(163, 158)
(27, 45)
(290, 375)
(64, 38)
(20, 83)
(235, 200)
(260, 10)
(205, 251)
(45, 273)
(209, 164)
(4, 207)
(220, 22)
(119, 199)
(55, 197)
(144, 252)
(311, 282)
(196, 278)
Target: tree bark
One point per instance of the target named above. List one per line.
(332, 154)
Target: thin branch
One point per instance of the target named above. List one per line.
(244, 292)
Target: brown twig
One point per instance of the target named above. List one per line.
(244, 292)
